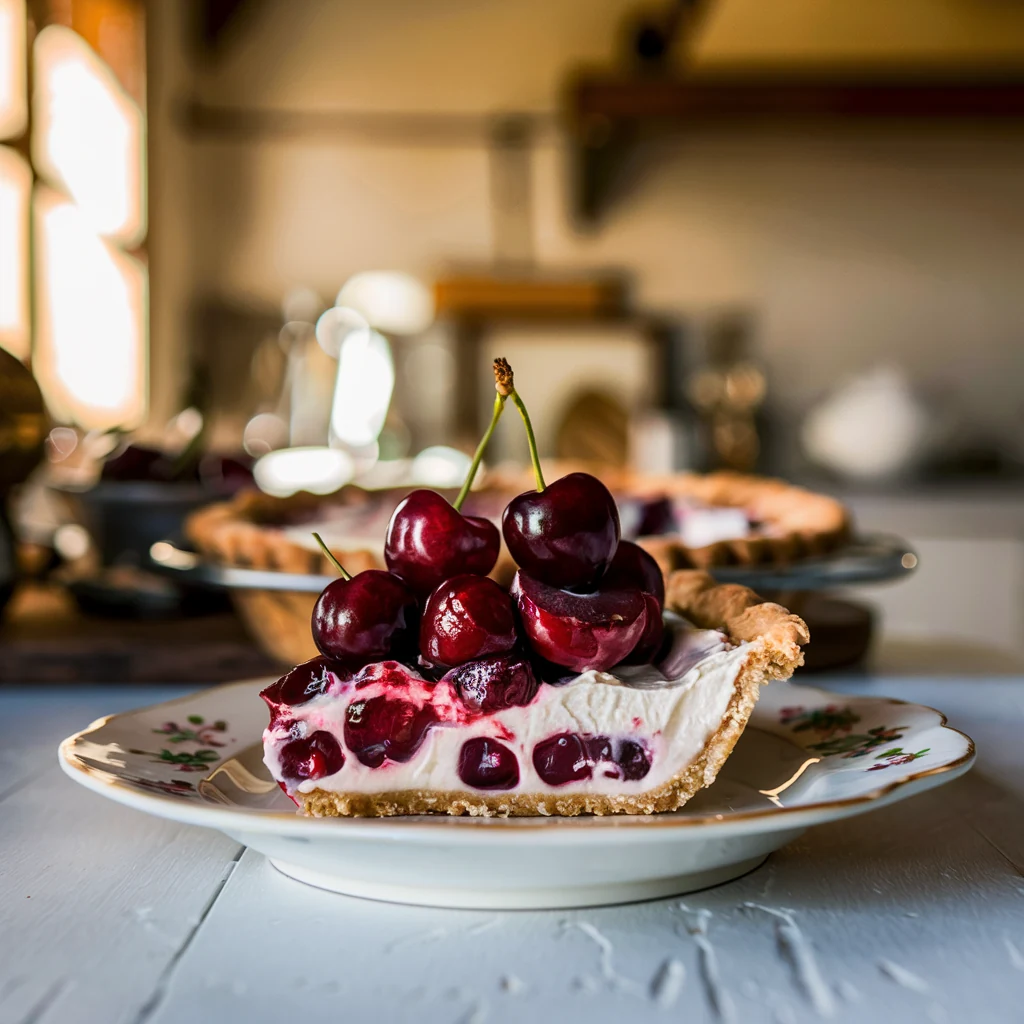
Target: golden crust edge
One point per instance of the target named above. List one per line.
(773, 654)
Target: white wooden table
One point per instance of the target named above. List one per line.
(915, 913)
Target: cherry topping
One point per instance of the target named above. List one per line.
(561, 759)
(569, 757)
(304, 682)
(382, 728)
(365, 617)
(428, 541)
(466, 617)
(312, 757)
(652, 640)
(487, 764)
(634, 567)
(565, 535)
(494, 683)
(580, 631)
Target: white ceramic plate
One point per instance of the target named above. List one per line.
(807, 757)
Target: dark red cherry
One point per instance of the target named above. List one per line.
(371, 616)
(304, 682)
(652, 640)
(634, 567)
(466, 617)
(494, 683)
(580, 631)
(384, 728)
(565, 535)
(428, 541)
(487, 764)
(569, 757)
(656, 516)
(313, 757)
(633, 759)
(561, 759)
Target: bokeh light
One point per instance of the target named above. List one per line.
(290, 470)
(362, 391)
(389, 301)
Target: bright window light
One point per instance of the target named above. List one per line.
(88, 135)
(389, 301)
(90, 352)
(362, 390)
(13, 101)
(15, 192)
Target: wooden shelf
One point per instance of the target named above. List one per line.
(606, 113)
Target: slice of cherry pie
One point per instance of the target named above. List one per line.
(510, 734)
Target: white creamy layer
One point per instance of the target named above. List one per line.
(673, 719)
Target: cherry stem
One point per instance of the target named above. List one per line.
(499, 406)
(530, 439)
(345, 575)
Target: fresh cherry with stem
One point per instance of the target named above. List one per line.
(566, 533)
(429, 540)
(367, 617)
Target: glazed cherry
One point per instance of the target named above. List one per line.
(466, 617)
(565, 535)
(634, 567)
(386, 729)
(487, 764)
(428, 541)
(495, 683)
(304, 682)
(313, 757)
(371, 616)
(580, 631)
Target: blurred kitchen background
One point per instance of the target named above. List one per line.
(785, 237)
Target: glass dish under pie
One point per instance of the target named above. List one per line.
(387, 741)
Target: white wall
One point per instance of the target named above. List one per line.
(851, 244)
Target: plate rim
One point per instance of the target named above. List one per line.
(423, 827)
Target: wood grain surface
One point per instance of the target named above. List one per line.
(912, 913)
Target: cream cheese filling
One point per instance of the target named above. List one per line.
(672, 718)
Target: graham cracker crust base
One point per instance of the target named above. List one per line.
(775, 637)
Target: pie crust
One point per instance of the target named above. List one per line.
(792, 522)
(774, 636)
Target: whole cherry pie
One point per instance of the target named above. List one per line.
(585, 685)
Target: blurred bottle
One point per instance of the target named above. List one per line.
(728, 393)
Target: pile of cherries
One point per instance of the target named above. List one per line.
(582, 599)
